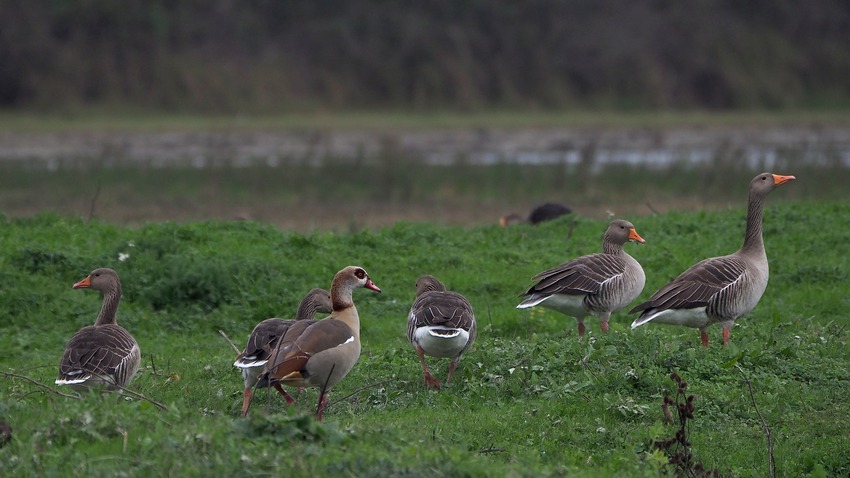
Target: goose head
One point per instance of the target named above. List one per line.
(621, 231)
(767, 182)
(428, 283)
(102, 279)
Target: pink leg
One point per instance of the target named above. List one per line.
(704, 337)
(323, 402)
(452, 369)
(726, 335)
(430, 380)
(581, 329)
(604, 326)
(286, 396)
(246, 401)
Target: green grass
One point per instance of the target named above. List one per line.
(530, 399)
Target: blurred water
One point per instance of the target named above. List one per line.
(756, 147)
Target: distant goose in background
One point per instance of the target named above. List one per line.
(103, 355)
(596, 284)
(326, 350)
(440, 324)
(720, 289)
(541, 213)
(264, 339)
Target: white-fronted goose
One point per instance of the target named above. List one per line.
(596, 284)
(265, 336)
(719, 289)
(541, 213)
(103, 355)
(326, 350)
(440, 324)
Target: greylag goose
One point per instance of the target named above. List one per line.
(440, 324)
(327, 349)
(541, 213)
(719, 289)
(103, 355)
(596, 284)
(264, 339)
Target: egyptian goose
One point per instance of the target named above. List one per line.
(264, 339)
(326, 350)
(103, 355)
(720, 289)
(440, 324)
(596, 284)
(541, 213)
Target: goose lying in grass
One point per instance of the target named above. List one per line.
(103, 355)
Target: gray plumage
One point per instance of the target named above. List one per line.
(719, 289)
(441, 323)
(596, 284)
(103, 355)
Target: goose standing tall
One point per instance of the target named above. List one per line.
(719, 289)
(326, 350)
(441, 323)
(103, 355)
(265, 336)
(596, 284)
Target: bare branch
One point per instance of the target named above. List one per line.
(365, 387)
(24, 377)
(771, 461)
(649, 205)
(235, 348)
(93, 202)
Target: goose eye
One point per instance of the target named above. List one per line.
(360, 273)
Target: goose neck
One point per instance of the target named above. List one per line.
(609, 247)
(753, 240)
(109, 308)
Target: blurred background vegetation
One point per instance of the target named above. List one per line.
(226, 56)
(344, 114)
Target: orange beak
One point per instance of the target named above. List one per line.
(777, 179)
(634, 236)
(85, 283)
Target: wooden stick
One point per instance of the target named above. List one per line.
(235, 348)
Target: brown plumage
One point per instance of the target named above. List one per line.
(596, 284)
(265, 337)
(441, 323)
(104, 354)
(327, 349)
(720, 289)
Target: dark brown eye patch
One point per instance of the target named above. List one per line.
(360, 273)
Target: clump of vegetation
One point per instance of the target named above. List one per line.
(284, 429)
(678, 448)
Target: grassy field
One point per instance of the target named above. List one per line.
(530, 399)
